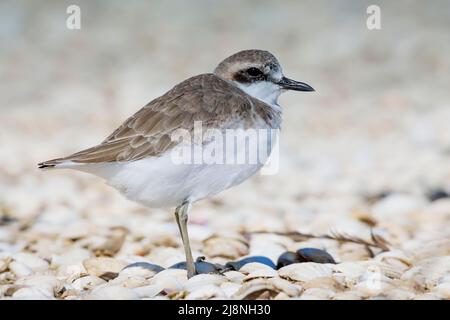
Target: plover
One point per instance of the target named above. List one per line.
(241, 93)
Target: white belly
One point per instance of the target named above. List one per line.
(159, 182)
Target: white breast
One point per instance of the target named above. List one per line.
(265, 91)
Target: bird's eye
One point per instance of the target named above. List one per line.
(254, 72)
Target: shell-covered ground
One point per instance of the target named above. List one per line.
(366, 156)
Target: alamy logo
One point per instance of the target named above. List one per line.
(73, 21)
(374, 19)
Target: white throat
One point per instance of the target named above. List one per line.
(265, 91)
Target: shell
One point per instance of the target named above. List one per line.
(255, 266)
(20, 269)
(87, 283)
(427, 296)
(170, 279)
(148, 291)
(317, 294)
(396, 259)
(346, 295)
(32, 293)
(290, 289)
(70, 257)
(129, 281)
(108, 292)
(426, 273)
(4, 264)
(101, 266)
(348, 273)
(442, 290)
(324, 283)
(234, 276)
(307, 271)
(261, 273)
(201, 280)
(230, 288)
(255, 288)
(231, 248)
(33, 262)
(206, 292)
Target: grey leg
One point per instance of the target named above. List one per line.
(181, 216)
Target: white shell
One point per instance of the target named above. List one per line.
(230, 288)
(256, 267)
(206, 292)
(148, 291)
(20, 269)
(108, 292)
(231, 248)
(307, 271)
(234, 276)
(261, 273)
(317, 294)
(32, 293)
(99, 266)
(87, 283)
(201, 280)
(32, 261)
(170, 279)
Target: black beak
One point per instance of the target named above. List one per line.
(289, 84)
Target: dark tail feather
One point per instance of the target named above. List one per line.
(50, 163)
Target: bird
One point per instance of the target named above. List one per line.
(137, 158)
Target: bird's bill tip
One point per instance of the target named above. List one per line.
(290, 84)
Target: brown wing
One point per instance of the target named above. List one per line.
(147, 133)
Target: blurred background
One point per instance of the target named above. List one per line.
(369, 148)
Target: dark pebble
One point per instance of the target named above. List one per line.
(315, 255)
(146, 265)
(236, 265)
(288, 258)
(201, 266)
(437, 194)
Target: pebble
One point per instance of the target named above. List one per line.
(315, 255)
(200, 267)
(287, 258)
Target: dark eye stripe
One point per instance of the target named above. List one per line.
(254, 72)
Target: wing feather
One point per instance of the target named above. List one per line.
(147, 133)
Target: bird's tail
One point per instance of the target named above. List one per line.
(52, 164)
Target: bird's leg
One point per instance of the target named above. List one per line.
(181, 216)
